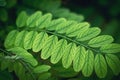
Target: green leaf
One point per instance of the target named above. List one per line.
(65, 26)
(29, 38)
(21, 20)
(79, 58)
(41, 68)
(44, 76)
(26, 56)
(88, 34)
(39, 41)
(31, 21)
(44, 21)
(56, 24)
(58, 51)
(48, 47)
(89, 63)
(68, 56)
(76, 29)
(110, 48)
(100, 66)
(100, 40)
(9, 41)
(113, 62)
(19, 41)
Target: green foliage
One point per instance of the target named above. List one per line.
(55, 39)
(50, 42)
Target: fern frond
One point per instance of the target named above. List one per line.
(69, 41)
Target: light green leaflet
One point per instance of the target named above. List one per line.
(44, 21)
(77, 29)
(21, 20)
(22, 53)
(89, 63)
(48, 47)
(58, 51)
(88, 34)
(19, 41)
(79, 58)
(100, 66)
(9, 42)
(100, 40)
(29, 38)
(113, 62)
(39, 41)
(56, 24)
(41, 68)
(31, 21)
(110, 48)
(68, 56)
(66, 25)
